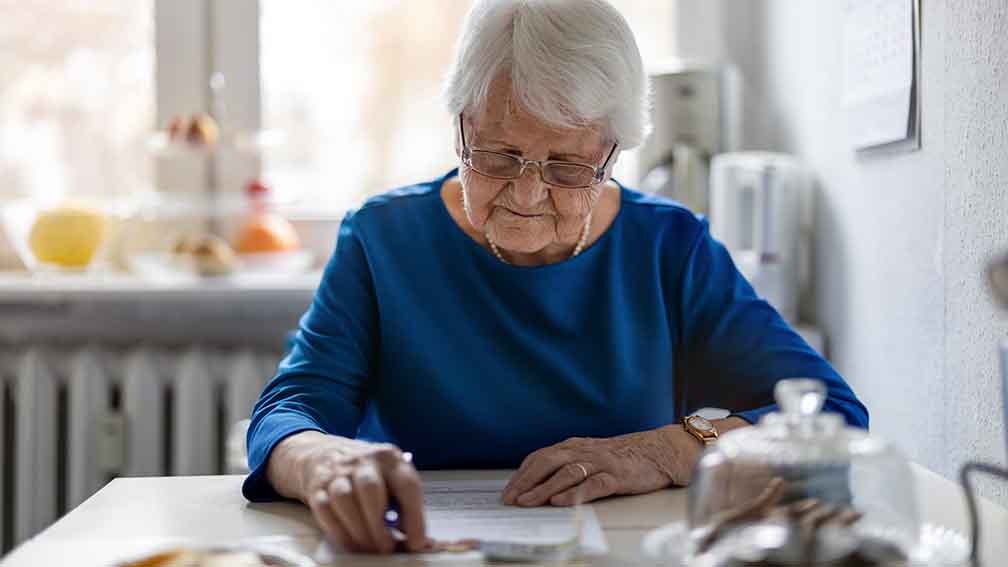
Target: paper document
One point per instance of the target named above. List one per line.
(471, 509)
(879, 64)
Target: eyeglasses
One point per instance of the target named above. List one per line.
(566, 174)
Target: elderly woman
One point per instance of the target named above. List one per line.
(525, 311)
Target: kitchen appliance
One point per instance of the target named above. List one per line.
(694, 113)
(756, 200)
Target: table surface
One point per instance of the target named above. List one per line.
(132, 515)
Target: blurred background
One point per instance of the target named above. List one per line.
(354, 87)
(173, 173)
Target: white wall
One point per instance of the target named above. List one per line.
(901, 239)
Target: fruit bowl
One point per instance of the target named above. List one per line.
(188, 237)
(63, 235)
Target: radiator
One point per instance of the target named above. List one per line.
(72, 418)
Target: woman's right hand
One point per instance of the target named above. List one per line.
(348, 486)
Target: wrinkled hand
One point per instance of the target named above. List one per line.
(348, 486)
(590, 468)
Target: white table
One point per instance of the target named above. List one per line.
(135, 514)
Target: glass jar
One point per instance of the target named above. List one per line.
(801, 488)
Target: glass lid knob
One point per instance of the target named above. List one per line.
(800, 398)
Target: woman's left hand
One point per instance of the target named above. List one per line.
(629, 464)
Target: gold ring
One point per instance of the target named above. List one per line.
(583, 470)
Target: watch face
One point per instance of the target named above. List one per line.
(701, 424)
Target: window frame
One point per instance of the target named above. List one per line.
(231, 44)
(193, 40)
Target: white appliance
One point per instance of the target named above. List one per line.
(694, 111)
(756, 210)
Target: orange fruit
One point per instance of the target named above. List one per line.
(267, 233)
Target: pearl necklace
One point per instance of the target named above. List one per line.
(578, 248)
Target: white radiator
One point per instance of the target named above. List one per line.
(72, 418)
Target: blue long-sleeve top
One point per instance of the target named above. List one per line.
(420, 337)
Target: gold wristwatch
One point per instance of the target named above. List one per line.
(701, 428)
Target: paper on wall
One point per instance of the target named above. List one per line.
(879, 71)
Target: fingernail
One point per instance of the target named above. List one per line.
(526, 499)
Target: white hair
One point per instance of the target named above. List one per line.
(571, 62)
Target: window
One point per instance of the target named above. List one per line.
(356, 88)
(77, 96)
(353, 86)
(361, 107)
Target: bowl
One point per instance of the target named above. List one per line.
(188, 237)
(63, 235)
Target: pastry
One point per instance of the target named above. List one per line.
(183, 247)
(213, 257)
(200, 130)
(176, 128)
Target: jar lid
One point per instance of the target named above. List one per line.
(800, 433)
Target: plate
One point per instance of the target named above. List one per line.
(164, 267)
(270, 554)
(939, 547)
(296, 262)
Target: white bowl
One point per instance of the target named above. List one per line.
(19, 217)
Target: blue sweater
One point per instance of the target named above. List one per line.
(420, 337)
